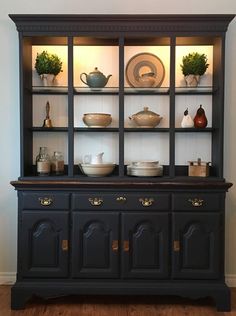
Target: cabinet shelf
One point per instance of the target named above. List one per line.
(198, 90)
(146, 91)
(96, 129)
(89, 91)
(194, 130)
(49, 90)
(76, 129)
(49, 129)
(146, 130)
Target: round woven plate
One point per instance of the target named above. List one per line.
(143, 63)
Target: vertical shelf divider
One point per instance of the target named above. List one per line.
(70, 107)
(121, 106)
(172, 108)
(218, 102)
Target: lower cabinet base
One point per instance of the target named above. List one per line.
(22, 291)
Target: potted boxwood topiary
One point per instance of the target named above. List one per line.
(48, 66)
(193, 66)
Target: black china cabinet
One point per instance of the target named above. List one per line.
(121, 234)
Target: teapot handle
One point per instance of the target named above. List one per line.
(82, 78)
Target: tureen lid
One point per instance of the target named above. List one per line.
(146, 111)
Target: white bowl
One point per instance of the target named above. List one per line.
(97, 170)
(98, 120)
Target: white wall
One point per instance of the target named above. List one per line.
(9, 103)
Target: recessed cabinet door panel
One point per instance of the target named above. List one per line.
(95, 249)
(145, 245)
(44, 244)
(196, 245)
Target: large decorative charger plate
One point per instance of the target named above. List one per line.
(144, 63)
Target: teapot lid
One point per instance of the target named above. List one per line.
(96, 72)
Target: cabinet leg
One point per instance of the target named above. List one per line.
(19, 297)
(223, 301)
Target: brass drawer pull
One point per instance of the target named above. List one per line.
(45, 201)
(196, 202)
(126, 245)
(115, 245)
(176, 245)
(95, 201)
(146, 201)
(121, 199)
(64, 245)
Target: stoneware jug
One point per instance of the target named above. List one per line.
(95, 79)
(93, 159)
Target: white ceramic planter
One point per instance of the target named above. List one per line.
(47, 79)
(192, 80)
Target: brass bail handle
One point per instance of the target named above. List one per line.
(196, 202)
(96, 201)
(121, 199)
(45, 201)
(146, 201)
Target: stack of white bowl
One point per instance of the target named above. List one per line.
(145, 169)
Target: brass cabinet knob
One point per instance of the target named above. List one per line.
(96, 201)
(45, 201)
(121, 199)
(176, 246)
(115, 245)
(196, 202)
(64, 245)
(146, 201)
(126, 245)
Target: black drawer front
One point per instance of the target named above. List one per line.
(198, 201)
(122, 201)
(44, 201)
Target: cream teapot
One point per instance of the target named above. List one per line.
(147, 79)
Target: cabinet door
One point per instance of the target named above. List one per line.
(145, 245)
(95, 248)
(196, 245)
(43, 244)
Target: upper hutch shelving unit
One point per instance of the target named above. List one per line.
(108, 42)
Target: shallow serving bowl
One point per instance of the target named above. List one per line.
(97, 119)
(97, 170)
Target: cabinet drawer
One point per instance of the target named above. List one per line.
(44, 200)
(198, 201)
(122, 201)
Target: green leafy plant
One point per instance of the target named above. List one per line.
(194, 64)
(46, 63)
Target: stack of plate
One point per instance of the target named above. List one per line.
(145, 169)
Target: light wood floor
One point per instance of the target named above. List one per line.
(114, 306)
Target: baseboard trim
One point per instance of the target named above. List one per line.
(8, 278)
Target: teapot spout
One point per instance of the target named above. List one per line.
(107, 78)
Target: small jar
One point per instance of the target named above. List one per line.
(43, 162)
(57, 163)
